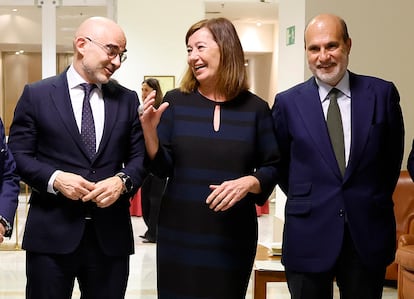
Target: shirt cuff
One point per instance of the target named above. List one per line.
(52, 179)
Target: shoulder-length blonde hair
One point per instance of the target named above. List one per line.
(232, 74)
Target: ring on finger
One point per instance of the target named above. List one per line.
(140, 110)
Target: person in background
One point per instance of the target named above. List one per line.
(9, 188)
(153, 187)
(339, 220)
(82, 174)
(152, 84)
(216, 143)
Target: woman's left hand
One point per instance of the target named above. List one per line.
(228, 193)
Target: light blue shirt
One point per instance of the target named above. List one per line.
(344, 103)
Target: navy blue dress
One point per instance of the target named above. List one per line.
(202, 253)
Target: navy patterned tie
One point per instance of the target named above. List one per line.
(88, 126)
(336, 132)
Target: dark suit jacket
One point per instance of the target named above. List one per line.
(410, 163)
(44, 138)
(319, 200)
(9, 181)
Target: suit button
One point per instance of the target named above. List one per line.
(341, 213)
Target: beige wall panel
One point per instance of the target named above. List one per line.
(18, 70)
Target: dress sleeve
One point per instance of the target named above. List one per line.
(162, 164)
(267, 155)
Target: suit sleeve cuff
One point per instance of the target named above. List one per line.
(50, 188)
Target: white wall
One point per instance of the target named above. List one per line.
(291, 57)
(274, 73)
(156, 43)
(254, 38)
(14, 28)
(259, 44)
(155, 33)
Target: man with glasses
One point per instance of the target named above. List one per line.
(78, 143)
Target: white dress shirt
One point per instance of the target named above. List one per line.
(97, 103)
(76, 93)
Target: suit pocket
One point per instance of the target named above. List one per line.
(297, 203)
(298, 207)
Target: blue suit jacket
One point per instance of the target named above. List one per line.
(44, 138)
(319, 199)
(9, 181)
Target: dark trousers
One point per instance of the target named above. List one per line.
(152, 191)
(52, 276)
(354, 280)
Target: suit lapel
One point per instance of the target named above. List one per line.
(61, 98)
(111, 111)
(310, 111)
(362, 109)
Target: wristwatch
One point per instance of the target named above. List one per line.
(7, 226)
(126, 180)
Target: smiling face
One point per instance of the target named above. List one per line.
(326, 49)
(203, 56)
(93, 60)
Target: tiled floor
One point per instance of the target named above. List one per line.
(142, 279)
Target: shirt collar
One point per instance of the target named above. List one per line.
(74, 79)
(343, 86)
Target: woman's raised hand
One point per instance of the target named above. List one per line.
(150, 118)
(148, 114)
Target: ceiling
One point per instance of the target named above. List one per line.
(265, 11)
(16, 23)
(24, 25)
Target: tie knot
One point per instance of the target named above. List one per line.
(333, 93)
(87, 87)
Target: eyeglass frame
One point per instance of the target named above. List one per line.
(111, 50)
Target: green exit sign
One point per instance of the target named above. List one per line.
(290, 35)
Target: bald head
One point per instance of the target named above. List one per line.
(328, 22)
(99, 28)
(99, 46)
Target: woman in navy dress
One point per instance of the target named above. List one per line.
(215, 141)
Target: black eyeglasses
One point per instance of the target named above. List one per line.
(111, 50)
